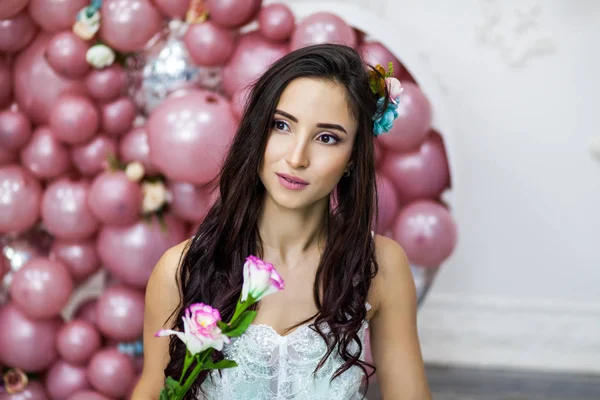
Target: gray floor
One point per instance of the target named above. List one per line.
(454, 383)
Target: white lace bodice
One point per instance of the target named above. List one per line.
(275, 367)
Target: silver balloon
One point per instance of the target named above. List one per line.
(165, 67)
(18, 250)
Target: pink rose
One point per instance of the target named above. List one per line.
(394, 88)
(260, 279)
(200, 330)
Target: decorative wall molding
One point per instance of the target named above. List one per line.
(516, 31)
(487, 332)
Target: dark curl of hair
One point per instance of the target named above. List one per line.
(211, 267)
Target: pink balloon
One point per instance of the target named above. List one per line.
(107, 83)
(189, 203)
(121, 313)
(131, 252)
(80, 257)
(65, 210)
(8, 156)
(56, 15)
(322, 27)
(88, 395)
(388, 204)
(5, 83)
(209, 44)
(4, 266)
(41, 288)
(77, 341)
(198, 125)
(421, 173)
(250, 60)
(33, 72)
(111, 372)
(10, 8)
(114, 199)
(45, 156)
(27, 343)
(173, 8)
(33, 391)
(64, 379)
(118, 116)
(232, 13)
(88, 311)
(276, 22)
(374, 53)
(16, 32)
(134, 147)
(427, 232)
(66, 54)
(91, 158)
(413, 122)
(239, 100)
(74, 119)
(15, 129)
(21, 197)
(129, 25)
(132, 387)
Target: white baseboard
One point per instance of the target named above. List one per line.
(501, 333)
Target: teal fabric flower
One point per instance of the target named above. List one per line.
(384, 119)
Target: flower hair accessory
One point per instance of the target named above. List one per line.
(379, 80)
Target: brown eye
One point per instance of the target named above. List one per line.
(281, 125)
(328, 139)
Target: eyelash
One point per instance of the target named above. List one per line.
(334, 137)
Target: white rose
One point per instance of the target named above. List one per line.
(135, 171)
(100, 56)
(155, 196)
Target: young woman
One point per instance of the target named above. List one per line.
(298, 190)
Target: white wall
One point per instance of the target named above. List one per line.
(523, 287)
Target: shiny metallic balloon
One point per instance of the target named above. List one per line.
(165, 67)
(18, 250)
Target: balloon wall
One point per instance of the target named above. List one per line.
(112, 114)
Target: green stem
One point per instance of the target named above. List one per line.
(194, 373)
(239, 309)
(186, 364)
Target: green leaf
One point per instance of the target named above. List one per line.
(241, 324)
(222, 325)
(390, 69)
(164, 395)
(220, 365)
(172, 385)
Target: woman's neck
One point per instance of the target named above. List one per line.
(292, 233)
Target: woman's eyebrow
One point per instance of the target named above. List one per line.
(319, 125)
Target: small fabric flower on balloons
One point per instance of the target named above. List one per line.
(384, 120)
(88, 22)
(100, 56)
(15, 380)
(200, 329)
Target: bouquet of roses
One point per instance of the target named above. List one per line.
(203, 330)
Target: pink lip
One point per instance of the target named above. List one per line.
(293, 178)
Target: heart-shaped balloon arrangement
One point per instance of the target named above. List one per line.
(99, 124)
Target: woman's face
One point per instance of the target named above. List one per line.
(311, 140)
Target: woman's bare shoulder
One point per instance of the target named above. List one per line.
(167, 267)
(393, 264)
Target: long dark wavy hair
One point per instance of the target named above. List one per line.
(211, 267)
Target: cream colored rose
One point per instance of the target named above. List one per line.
(155, 196)
(100, 56)
(135, 171)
